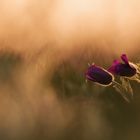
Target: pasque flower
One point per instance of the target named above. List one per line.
(99, 75)
(125, 68)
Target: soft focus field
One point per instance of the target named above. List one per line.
(45, 48)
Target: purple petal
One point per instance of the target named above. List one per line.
(112, 69)
(122, 69)
(98, 75)
(125, 70)
(124, 59)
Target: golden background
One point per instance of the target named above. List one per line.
(45, 47)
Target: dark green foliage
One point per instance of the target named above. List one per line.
(8, 63)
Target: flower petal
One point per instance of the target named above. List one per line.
(99, 75)
(122, 69)
(112, 69)
(124, 59)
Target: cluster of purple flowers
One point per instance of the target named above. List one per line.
(126, 70)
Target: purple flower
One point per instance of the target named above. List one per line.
(99, 75)
(126, 68)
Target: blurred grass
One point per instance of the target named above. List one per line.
(66, 109)
(8, 63)
(123, 117)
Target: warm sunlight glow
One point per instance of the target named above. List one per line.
(48, 49)
(28, 25)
